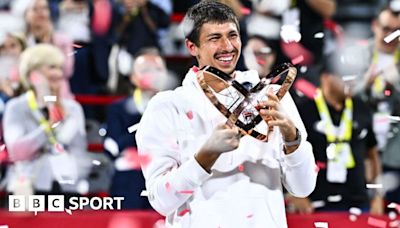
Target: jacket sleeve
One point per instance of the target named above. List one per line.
(21, 144)
(299, 173)
(165, 173)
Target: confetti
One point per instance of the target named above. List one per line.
(321, 224)
(144, 193)
(241, 168)
(321, 165)
(376, 222)
(83, 187)
(290, 34)
(298, 60)
(355, 211)
(394, 118)
(50, 98)
(353, 218)
(319, 35)
(186, 192)
(168, 186)
(96, 162)
(374, 186)
(389, 38)
(76, 46)
(2, 147)
(66, 181)
(133, 128)
(392, 215)
(68, 211)
(318, 204)
(183, 212)
(394, 206)
(387, 93)
(59, 147)
(111, 146)
(303, 69)
(249, 216)
(394, 224)
(347, 78)
(56, 124)
(3, 226)
(189, 115)
(335, 198)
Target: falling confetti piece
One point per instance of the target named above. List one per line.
(353, 218)
(70, 182)
(290, 34)
(168, 186)
(376, 222)
(50, 98)
(189, 115)
(303, 69)
(387, 93)
(321, 224)
(59, 148)
(392, 215)
(318, 204)
(241, 168)
(133, 128)
(2, 147)
(297, 60)
(249, 216)
(355, 211)
(321, 165)
(56, 124)
(68, 211)
(96, 162)
(183, 212)
(335, 198)
(72, 53)
(3, 226)
(319, 35)
(374, 186)
(144, 193)
(389, 38)
(394, 206)
(186, 192)
(347, 78)
(76, 46)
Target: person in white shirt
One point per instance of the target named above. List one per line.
(198, 172)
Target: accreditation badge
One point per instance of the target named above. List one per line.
(340, 158)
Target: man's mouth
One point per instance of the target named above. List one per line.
(225, 59)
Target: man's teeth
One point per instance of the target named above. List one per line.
(226, 59)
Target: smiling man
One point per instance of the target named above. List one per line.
(201, 173)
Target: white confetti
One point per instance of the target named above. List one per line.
(319, 35)
(318, 204)
(3, 226)
(2, 147)
(392, 215)
(71, 182)
(56, 124)
(347, 78)
(68, 211)
(321, 224)
(355, 211)
(133, 128)
(290, 34)
(389, 38)
(353, 218)
(50, 98)
(374, 186)
(72, 53)
(303, 69)
(82, 187)
(144, 193)
(111, 146)
(394, 118)
(335, 198)
(96, 162)
(392, 205)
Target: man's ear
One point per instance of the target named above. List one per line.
(192, 47)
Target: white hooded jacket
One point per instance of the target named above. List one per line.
(174, 127)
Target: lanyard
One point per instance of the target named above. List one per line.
(39, 116)
(138, 99)
(379, 84)
(345, 128)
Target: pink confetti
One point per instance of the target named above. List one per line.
(249, 216)
(241, 168)
(245, 11)
(183, 212)
(316, 169)
(135, 160)
(298, 60)
(387, 93)
(376, 222)
(59, 148)
(102, 16)
(189, 115)
(321, 165)
(168, 186)
(186, 192)
(76, 46)
(2, 147)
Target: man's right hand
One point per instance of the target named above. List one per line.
(223, 139)
(301, 205)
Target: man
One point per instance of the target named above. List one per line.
(340, 130)
(260, 54)
(193, 176)
(149, 75)
(381, 90)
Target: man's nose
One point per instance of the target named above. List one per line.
(226, 44)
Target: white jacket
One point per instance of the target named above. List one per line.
(174, 127)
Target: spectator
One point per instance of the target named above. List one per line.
(380, 87)
(149, 75)
(260, 54)
(45, 140)
(40, 30)
(340, 130)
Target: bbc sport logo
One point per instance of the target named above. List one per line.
(36, 203)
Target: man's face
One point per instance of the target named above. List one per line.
(386, 24)
(258, 56)
(219, 46)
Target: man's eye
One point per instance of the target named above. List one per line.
(213, 38)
